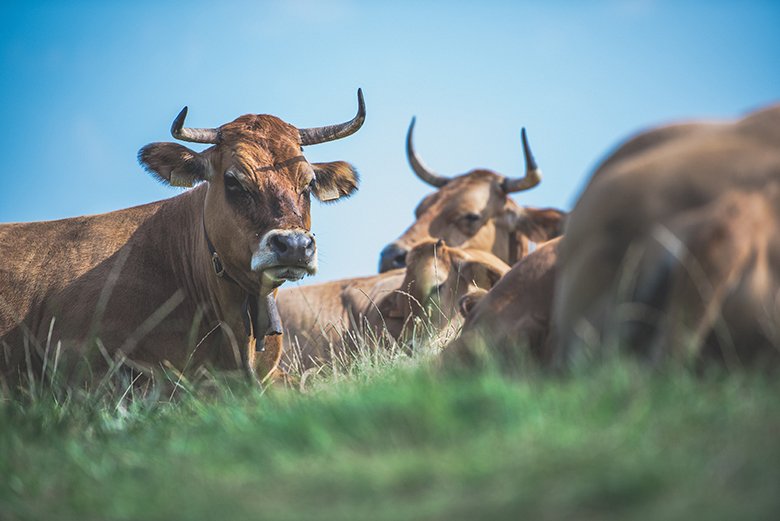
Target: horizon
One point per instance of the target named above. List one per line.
(86, 85)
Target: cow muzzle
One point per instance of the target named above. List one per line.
(285, 255)
(392, 257)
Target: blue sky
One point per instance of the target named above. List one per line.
(84, 85)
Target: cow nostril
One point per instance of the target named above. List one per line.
(292, 248)
(278, 244)
(309, 248)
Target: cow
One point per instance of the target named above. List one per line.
(474, 210)
(187, 281)
(340, 317)
(510, 325)
(673, 251)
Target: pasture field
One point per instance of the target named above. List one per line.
(395, 439)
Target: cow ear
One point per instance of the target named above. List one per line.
(334, 180)
(482, 274)
(540, 224)
(173, 164)
(467, 302)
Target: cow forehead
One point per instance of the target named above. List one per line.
(256, 142)
(259, 128)
(426, 250)
(428, 262)
(265, 157)
(469, 192)
(440, 259)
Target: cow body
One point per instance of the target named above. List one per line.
(339, 317)
(140, 280)
(184, 282)
(673, 249)
(324, 319)
(510, 325)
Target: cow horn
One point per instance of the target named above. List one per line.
(316, 135)
(532, 173)
(419, 168)
(194, 135)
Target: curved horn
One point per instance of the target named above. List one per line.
(313, 136)
(533, 175)
(417, 165)
(194, 135)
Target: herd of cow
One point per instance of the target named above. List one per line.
(671, 252)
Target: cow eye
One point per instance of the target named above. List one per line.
(232, 183)
(309, 187)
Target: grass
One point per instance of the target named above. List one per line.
(612, 442)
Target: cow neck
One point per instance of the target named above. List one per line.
(216, 260)
(250, 306)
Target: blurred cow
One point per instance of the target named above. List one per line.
(335, 318)
(510, 325)
(186, 281)
(474, 210)
(673, 250)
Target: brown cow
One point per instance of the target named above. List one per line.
(474, 211)
(187, 281)
(510, 324)
(673, 249)
(341, 316)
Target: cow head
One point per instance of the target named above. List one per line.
(437, 276)
(257, 205)
(474, 210)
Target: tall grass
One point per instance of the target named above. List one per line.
(390, 437)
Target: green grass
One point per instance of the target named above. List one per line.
(613, 442)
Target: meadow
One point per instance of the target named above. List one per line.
(390, 436)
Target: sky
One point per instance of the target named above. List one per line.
(84, 85)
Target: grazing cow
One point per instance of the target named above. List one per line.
(341, 316)
(673, 249)
(474, 211)
(186, 281)
(510, 324)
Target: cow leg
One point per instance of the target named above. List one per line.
(266, 362)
